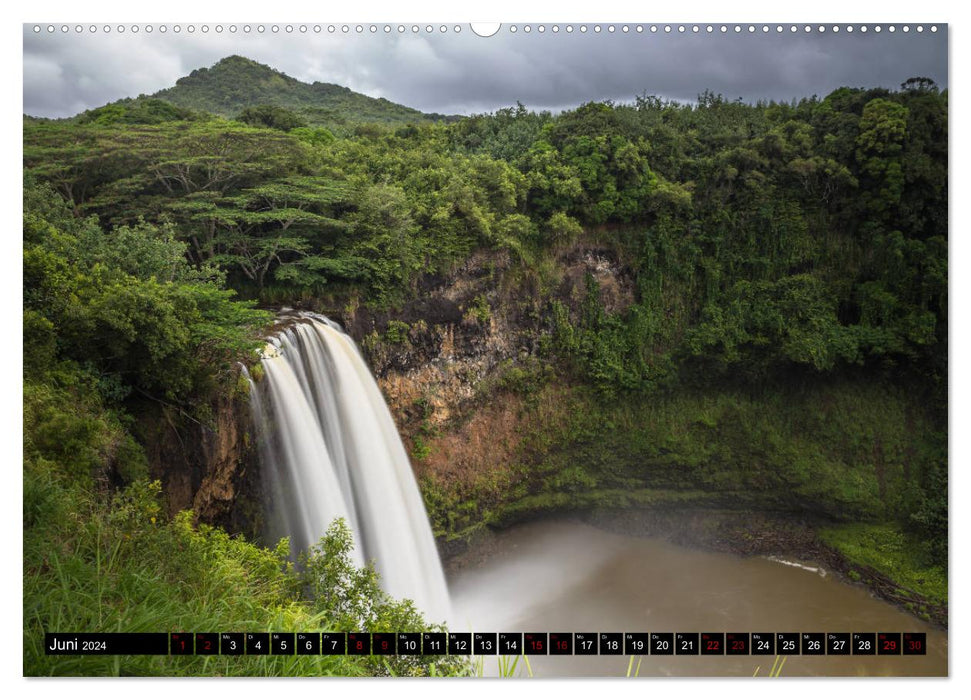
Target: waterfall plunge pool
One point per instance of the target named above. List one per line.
(562, 575)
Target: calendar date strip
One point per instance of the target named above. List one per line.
(488, 643)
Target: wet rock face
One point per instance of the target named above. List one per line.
(432, 356)
(210, 468)
(437, 356)
(615, 283)
(226, 455)
(440, 351)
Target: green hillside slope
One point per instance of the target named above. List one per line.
(235, 83)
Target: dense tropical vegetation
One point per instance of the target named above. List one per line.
(782, 254)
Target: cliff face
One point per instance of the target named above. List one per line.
(211, 468)
(441, 362)
(461, 367)
(442, 355)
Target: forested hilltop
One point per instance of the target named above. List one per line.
(716, 305)
(242, 89)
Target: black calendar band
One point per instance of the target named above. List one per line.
(488, 643)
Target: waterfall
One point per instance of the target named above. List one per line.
(329, 448)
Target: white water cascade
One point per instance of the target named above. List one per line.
(330, 449)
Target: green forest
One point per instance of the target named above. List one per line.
(783, 342)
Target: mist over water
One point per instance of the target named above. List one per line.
(330, 449)
(565, 576)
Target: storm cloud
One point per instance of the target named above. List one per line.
(461, 73)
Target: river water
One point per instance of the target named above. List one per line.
(567, 576)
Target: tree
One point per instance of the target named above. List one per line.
(883, 128)
(128, 304)
(384, 234)
(275, 224)
(272, 117)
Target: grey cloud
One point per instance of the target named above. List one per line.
(449, 73)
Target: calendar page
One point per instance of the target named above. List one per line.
(521, 350)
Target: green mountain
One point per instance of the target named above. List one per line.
(236, 83)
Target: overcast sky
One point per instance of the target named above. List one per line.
(66, 73)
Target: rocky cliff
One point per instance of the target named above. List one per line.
(210, 467)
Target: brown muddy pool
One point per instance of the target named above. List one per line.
(567, 576)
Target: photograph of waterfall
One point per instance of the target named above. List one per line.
(525, 350)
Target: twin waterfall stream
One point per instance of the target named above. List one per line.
(330, 449)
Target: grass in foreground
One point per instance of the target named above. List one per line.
(94, 564)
